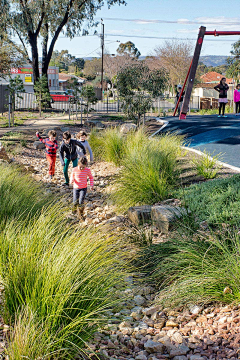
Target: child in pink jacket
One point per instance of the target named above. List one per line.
(236, 98)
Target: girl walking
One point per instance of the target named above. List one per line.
(79, 177)
(222, 88)
(236, 98)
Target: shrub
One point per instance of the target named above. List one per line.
(199, 270)
(216, 201)
(149, 169)
(207, 165)
(108, 146)
(58, 279)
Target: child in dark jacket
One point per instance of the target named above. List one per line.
(222, 88)
(51, 150)
(68, 153)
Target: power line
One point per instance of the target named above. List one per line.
(183, 21)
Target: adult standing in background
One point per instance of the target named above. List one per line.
(222, 88)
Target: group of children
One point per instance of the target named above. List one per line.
(71, 150)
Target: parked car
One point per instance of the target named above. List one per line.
(60, 95)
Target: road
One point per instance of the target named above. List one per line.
(210, 133)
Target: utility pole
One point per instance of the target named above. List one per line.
(102, 45)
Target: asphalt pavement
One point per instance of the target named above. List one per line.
(210, 133)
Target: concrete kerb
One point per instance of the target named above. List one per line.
(165, 123)
(218, 162)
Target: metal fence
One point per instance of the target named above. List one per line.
(27, 101)
(4, 94)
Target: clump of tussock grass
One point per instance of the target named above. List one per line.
(196, 270)
(149, 169)
(108, 145)
(58, 280)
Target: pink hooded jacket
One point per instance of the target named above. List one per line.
(236, 95)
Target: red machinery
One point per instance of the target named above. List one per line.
(193, 67)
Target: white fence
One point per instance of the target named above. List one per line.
(108, 105)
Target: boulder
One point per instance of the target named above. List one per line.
(125, 128)
(140, 214)
(94, 123)
(38, 145)
(164, 216)
(3, 154)
(153, 347)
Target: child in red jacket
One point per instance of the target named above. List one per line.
(51, 150)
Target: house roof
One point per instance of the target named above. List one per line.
(213, 77)
(66, 77)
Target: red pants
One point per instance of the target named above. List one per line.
(51, 161)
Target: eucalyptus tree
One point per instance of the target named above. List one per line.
(42, 21)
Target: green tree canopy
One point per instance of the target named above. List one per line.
(138, 85)
(128, 48)
(234, 61)
(45, 20)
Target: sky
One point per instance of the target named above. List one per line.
(142, 20)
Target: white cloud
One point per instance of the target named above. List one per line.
(115, 31)
(213, 22)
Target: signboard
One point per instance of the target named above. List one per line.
(28, 78)
(28, 70)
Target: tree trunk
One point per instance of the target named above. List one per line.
(35, 61)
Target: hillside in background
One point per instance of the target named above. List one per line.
(214, 60)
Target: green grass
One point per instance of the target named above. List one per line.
(149, 169)
(109, 145)
(207, 165)
(148, 165)
(216, 201)
(195, 270)
(58, 278)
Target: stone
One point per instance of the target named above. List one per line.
(139, 300)
(150, 311)
(178, 350)
(195, 310)
(196, 357)
(177, 337)
(171, 323)
(141, 357)
(125, 128)
(3, 154)
(140, 214)
(181, 357)
(152, 346)
(38, 145)
(163, 217)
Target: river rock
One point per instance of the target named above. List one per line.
(140, 214)
(153, 347)
(125, 128)
(139, 300)
(165, 215)
(38, 145)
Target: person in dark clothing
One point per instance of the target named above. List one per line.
(222, 88)
(68, 153)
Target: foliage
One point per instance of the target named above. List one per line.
(53, 313)
(175, 57)
(207, 165)
(64, 61)
(149, 169)
(137, 85)
(128, 48)
(15, 87)
(42, 93)
(233, 61)
(89, 96)
(10, 55)
(92, 68)
(31, 20)
(196, 270)
(215, 201)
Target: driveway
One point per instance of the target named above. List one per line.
(210, 133)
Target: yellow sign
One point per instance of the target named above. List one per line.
(28, 78)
